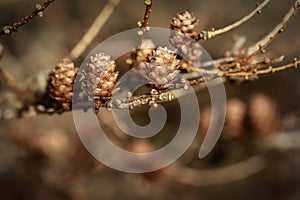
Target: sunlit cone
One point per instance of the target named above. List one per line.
(185, 23)
(161, 70)
(61, 81)
(184, 27)
(100, 77)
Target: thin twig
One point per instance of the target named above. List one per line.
(1, 50)
(206, 35)
(278, 69)
(217, 62)
(94, 29)
(268, 39)
(148, 11)
(145, 22)
(238, 44)
(255, 71)
(257, 65)
(11, 84)
(222, 175)
(38, 11)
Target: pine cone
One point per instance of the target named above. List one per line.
(143, 146)
(185, 23)
(61, 81)
(235, 117)
(162, 71)
(264, 115)
(184, 26)
(100, 77)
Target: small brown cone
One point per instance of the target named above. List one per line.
(184, 27)
(263, 113)
(205, 120)
(184, 31)
(185, 23)
(142, 146)
(235, 117)
(100, 78)
(61, 81)
(161, 71)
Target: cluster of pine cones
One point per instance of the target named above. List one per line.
(160, 66)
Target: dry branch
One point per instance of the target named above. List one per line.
(11, 84)
(38, 11)
(206, 35)
(223, 175)
(261, 45)
(145, 22)
(94, 29)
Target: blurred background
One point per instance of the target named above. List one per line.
(42, 156)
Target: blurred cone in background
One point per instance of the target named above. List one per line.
(263, 114)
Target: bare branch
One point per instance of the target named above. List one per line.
(260, 70)
(94, 29)
(222, 175)
(218, 62)
(278, 69)
(11, 84)
(38, 11)
(147, 14)
(206, 35)
(269, 38)
(145, 22)
(260, 46)
(1, 50)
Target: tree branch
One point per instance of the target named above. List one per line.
(222, 175)
(269, 38)
(94, 29)
(38, 11)
(248, 53)
(147, 14)
(11, 84)
(206, 35)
